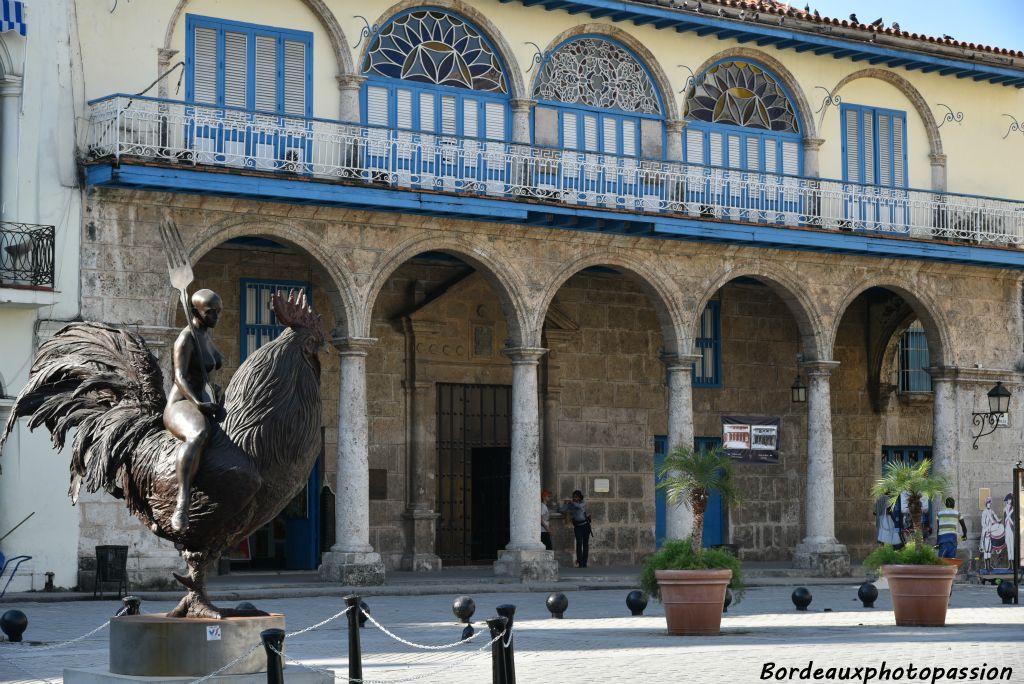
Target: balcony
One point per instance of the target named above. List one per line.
(614, 191)
(26, 256)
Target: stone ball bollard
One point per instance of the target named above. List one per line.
(636, 601)
(463, 607)
(364, 612)
(868, 594)
(801, 598)
(1006, 590)
(557, 603)
(728, 600)
(246, 605)
(13, 623)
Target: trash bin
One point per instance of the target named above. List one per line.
(111, 566)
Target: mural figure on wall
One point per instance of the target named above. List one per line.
(993, 535)
(1008, 519)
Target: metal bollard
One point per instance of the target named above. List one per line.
(507, 610)
(273, 644)
(355, 654)
(497, 626)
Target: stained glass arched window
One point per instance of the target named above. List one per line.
(595, 95)
(741, 94)
(431, 71)
(433, 46)
(739, 116)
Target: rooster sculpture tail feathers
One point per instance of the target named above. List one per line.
(104, 382)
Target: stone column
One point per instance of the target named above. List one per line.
(163, 63)
(674, 135)
(352, 559)
(10, 107)
(420, 515)
(350, 86)
(549, 470)
(812, 167)
(938, 162)
(679, 519)
(521, 110)
(820, 550)
(525, 556)
(945, 435)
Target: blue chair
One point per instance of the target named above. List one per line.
(12, 563)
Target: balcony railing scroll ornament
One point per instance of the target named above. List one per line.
(950, 115)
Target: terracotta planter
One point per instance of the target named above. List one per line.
(920, 593)
(693, 599)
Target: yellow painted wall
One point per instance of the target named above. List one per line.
(980, 161)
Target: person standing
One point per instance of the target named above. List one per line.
(886, 531)
(948, 518)
(545, 520)
(577, 509)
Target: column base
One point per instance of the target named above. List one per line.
(826, 559)
(527, 564)
(422, 526)
(352, 569)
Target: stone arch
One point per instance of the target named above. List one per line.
(791, 289)
(325, 264)
(911, 93)
(487, 27)
(936, 327)
(647, 59)
(339, 44)
(659, 288)
(779, 70)
(503, 278)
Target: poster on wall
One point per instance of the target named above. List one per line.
(752, 439)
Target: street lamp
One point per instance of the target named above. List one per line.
(998, 406)
(798, 391)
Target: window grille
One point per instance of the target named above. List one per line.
(707, 369)
(259, 324)
(913, 360)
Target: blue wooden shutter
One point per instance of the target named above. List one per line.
(204, 70)
(707, 368)
(265, 81)
(236, 69)
(295, 83)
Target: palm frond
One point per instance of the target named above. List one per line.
(917, 479)
(687, 471)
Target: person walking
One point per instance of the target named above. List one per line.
(545, 520)
(577, 508)
(947, 518)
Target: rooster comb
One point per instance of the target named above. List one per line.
(295, 312)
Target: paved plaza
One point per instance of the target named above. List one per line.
(596, 642)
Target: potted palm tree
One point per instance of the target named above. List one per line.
(689, 580)
(920, 583)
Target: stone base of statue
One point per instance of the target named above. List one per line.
(156, 648)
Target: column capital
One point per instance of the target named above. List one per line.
(679, 362)
(937, 159)
(350, 81)
(10, 86)
(524, 356)
(813, 143)
(166, 54)
(819, 368)
(353, 346)
(520, 104)
(943, 373)
(675, 125)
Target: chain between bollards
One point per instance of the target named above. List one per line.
(355, 654)
(273, 644)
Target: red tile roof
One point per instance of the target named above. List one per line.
(783, 9)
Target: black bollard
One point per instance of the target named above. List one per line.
(497, 626)
(868, 594)
(636, 601)
(132, 606)
(1006, 591)
(507, 610)
(246, 605)
(355, 654)
(463, 607)
(273, 644)
(728, 600)
(801, 598)
(557, 604)
(13, 623)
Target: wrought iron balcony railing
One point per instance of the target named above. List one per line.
(181, 133)
(26, 255)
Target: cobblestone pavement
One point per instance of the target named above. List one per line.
(596, 642)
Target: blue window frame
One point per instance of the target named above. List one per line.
(874, 146)
(913, 360)
(714, 516)
(243, 69)
(259, 324)
(707, 369)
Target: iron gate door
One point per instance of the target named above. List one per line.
(472, 418)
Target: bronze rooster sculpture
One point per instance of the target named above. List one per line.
(103, 382)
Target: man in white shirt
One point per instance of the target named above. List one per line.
(545, 519)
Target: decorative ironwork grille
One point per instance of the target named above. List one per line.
(742, 94)
(26, 255)
(913, 350)
(430, 46)
(597, 73)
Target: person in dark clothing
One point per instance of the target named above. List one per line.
(577, 508)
